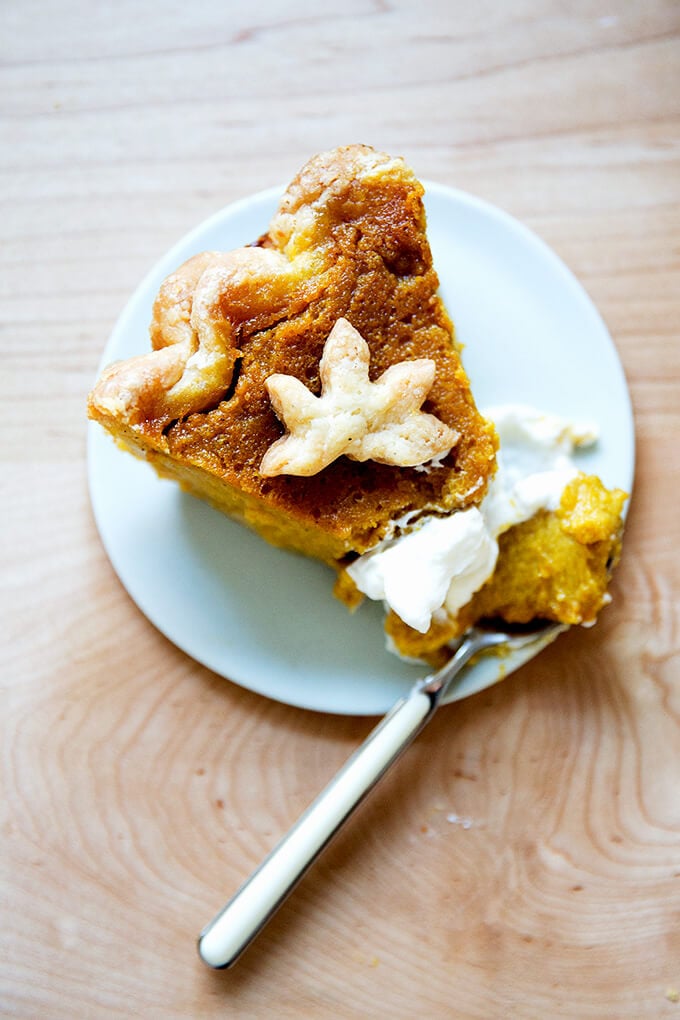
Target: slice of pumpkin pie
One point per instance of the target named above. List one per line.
(310, 385)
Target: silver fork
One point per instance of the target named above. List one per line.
(233, 929)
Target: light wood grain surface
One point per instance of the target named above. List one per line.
(523, 860)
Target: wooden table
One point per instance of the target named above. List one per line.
(138, 787)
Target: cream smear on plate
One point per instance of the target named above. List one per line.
(440, 562)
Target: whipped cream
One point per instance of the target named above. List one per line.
(441, 561)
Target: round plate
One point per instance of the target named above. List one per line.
(266, 619)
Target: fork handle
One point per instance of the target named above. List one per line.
(223, 940)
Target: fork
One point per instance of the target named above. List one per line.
(232, 930)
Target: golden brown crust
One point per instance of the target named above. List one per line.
(196, 320)
(380, 421)
(347, 241)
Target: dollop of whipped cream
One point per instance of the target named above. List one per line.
(441, 561)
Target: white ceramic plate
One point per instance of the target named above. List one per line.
(266, 619)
